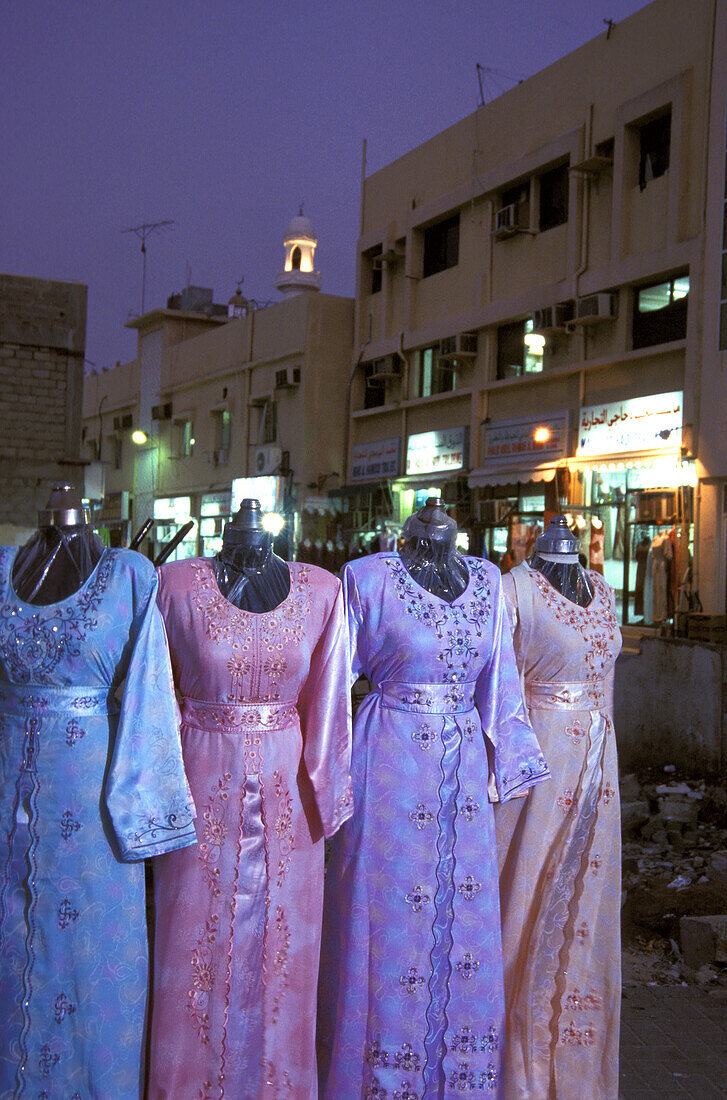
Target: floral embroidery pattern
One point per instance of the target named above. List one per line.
(416, 898)
(405, 1092)
(572, 1035)
(66, 913)
(374, 1056)
(283, 826)
(412, 981)
(203, 978)
(469, 731)
(470, 888)
(465, 1041)
(566, 801)
(375, 1091)
(576, 733)
(62, 1007)
(595, 864)
(69, 825)
(74, 733)
(462, 1078)
(421, 816)
(407, 1059)
(582, 932)
(468, 966)
(596, 623)
(470, 808)
(582, 1002)
(48, 1060)
(424, 737)
(280, 958)
(214, 832)
(608, 794)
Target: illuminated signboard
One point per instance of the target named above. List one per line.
(641, 424)
(437, 452)
(527, 438)
(264, 489)
(380, 458)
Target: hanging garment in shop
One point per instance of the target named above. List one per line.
(595, 546)
(560, 853)
(618, 536)
(661, 556)
(521, 541)
(411, 999)
(88, 789)
(641, 555)
(266, 740)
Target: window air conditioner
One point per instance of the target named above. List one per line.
(594, 308)
(266, 459)
(287, 378)
(461, 346)
(510, 220)
(385, 369)
(162, 412)
(552, 318)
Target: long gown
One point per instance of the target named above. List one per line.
(85, 787)
(411, 998)
(560, 853)
(266, 742)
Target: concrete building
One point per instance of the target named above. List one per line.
(42, 348)
(250, 403)
(538, 300)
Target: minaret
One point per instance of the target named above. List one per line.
(299, 273)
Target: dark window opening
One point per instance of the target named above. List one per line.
(295, 259)
(519, 349)
(554, 197)
(269, 426)
(654, 149)
(605, 148)
(375, 278)
(431, 376)
(511, 196)
(660, 312)
(374, 392)
(441, 246)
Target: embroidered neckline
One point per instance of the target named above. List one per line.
(601, 590)
(98, 575)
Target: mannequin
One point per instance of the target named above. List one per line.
(556, 557)
(430, 552)
(61, 555)
(248, 573)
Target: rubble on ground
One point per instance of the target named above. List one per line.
(674, 899)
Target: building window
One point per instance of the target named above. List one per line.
(222, 422)
(269, 423)
(519, 349)
(430, 374)
(654, 148)
(183, 438)
(375, 277)
(553, 197)
(660, 312)
(295, 259)
(441, 246)
(374, 392)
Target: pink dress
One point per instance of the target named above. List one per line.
(559, 852)
(266, 744)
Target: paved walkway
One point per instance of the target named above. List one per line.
(673, 1044)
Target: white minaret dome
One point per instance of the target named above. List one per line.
(299, 273)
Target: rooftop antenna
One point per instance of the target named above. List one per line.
(142, 232)
(610, 23)
(188, 273)
(493, 85)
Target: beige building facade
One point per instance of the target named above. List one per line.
(246, 404)
(538, 309)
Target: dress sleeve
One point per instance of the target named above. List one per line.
(354, 619)
(147, 795)
(515, 757)
(324, 705)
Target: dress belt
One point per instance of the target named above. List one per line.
(585, 695)
(24, 699)
(427, 698)
(235, 717)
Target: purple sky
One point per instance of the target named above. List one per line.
(225, 115)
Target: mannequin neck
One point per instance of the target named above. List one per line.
(566, 574)
(249, 575)
(55, 562)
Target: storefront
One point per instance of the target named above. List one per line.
(170, 514)
(436, 465)
(215, 509)
(112, 519)
(364, 508)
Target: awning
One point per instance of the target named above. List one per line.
(519, 475)
(414, 481)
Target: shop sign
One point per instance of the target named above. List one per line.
(264, 489)
(437, 452)
(640, 424)
(525, 439)
(172, 509)
(380, 458)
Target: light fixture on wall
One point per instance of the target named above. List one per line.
(541, 434)
(139, 437)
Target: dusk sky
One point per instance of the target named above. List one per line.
(224, 116)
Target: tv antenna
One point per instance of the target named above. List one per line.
(142, 232)
(492, 82)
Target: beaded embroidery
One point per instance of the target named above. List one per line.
(421, 816)
(417, 899)
(214, 832)
(412, 981)
(596, 623)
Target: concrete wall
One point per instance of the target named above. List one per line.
(42, 347)
(668, 702)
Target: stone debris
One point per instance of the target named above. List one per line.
(674, 882)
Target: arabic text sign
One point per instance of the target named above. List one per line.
(379, 458)
(512, 440)
(436, 452)
(641, 424)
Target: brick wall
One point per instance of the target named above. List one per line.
(42, 347)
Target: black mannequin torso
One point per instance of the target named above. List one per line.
(430, 552)
(248, 573)
(60, 557)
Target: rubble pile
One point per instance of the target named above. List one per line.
(674, 900)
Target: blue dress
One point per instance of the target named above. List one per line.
(88, 789)
(411, 990)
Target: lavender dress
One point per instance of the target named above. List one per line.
(412, 1002)
(87, 790)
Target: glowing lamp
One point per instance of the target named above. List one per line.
(139, 437)
(273, 522)
(541, 434)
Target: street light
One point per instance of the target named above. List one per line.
(541, 434)
(139, 437)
